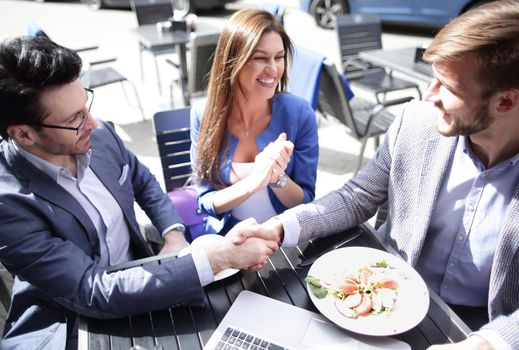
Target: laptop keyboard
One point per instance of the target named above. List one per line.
(233, 339)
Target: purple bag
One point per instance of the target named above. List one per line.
(185, 202)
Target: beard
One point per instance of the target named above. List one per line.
(480, 121)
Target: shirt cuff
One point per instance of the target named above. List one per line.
(291, 228)
(203, 268)
(494, 339)
(178, 227)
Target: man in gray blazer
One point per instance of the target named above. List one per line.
(449, 171)
(67, 192)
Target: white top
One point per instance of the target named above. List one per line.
(258, 205)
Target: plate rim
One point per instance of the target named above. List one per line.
(420, 280)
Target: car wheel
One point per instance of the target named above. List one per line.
(325, 12)
(94, 4)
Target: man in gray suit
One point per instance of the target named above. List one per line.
(449, 171)
(67, 192)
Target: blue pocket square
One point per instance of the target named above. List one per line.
(124, 174)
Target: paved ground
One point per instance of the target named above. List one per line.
(72, 24)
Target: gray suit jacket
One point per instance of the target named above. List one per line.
(407, 171)
(50, 244)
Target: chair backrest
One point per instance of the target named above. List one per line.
(357, 33)
(203, 47)
(152, 11)
(333, 101)
(174, 144)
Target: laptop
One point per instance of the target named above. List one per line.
(258, 322)
(419, 64)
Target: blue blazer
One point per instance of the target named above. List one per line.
(290, 114)
(51, 246)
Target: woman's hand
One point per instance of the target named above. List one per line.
(271, 162)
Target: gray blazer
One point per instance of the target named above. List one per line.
(407, 171)
(50, 244)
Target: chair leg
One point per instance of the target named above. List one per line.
(140, 62)
(136, 97)
(157, 73)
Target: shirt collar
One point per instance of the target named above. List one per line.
(54, 171)
(463, 142)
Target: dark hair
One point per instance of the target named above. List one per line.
(29, 66)
(490, 34)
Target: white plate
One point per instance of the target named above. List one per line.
(209, 239)
(412, 300)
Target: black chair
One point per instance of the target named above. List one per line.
(361, 32)
(92, 77)
(174, 143)
(152, 12)
(362, 118)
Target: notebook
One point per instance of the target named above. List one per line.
(258, 322)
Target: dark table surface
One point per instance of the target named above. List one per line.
(402, 60)
(281, 279)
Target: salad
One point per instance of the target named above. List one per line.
(370, 290)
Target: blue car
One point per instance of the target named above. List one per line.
(425, 12)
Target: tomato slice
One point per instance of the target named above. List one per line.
(365, 305)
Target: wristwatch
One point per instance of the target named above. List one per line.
(282, 181)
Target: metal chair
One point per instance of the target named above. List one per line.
(174, 143)
(361, 32)
(152, 12)
(362, 118)
(92, 77)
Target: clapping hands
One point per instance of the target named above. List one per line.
(271, 162)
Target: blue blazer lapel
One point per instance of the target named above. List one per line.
(43, 186)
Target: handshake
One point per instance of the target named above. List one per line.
(247, 246)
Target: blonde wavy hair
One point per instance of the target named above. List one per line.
(235, 47)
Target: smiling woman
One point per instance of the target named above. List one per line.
(254, 145)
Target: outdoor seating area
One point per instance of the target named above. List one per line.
(248, 166)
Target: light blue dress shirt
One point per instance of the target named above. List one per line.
(96, 200)
(457, 255)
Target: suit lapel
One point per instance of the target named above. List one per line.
(506, 247)
(43, 186)
(434, 166)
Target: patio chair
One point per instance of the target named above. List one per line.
(174, 144)
(203, 47)
(362, 118)
(172, 131)
(361, 32)
(152, 12)
(92, 77)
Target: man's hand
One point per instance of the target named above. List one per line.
(251, 254)
(474, 342)
(271, 230)
(174, 241)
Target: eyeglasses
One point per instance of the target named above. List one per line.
(88, 104)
